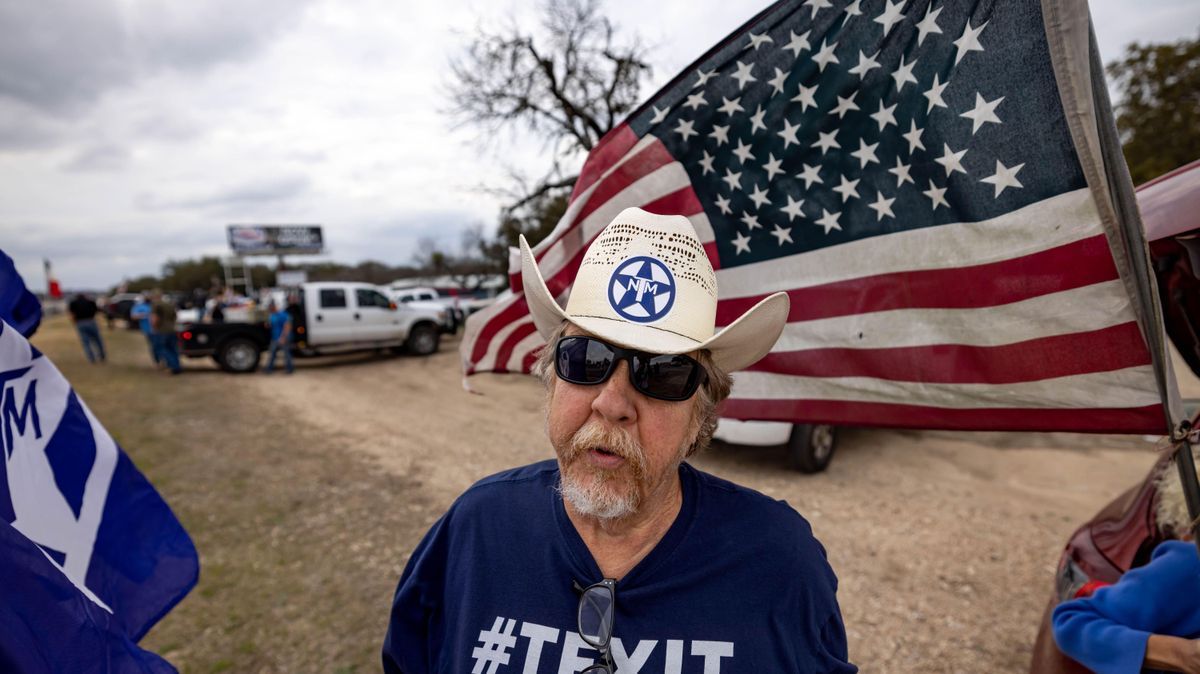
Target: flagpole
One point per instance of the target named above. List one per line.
(1186, 465)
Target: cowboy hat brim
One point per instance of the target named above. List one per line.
(738, 345)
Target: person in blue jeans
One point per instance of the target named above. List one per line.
(140, 312)
(1149, 620)
(281, 337)
(83, 312)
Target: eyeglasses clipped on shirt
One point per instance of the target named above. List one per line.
(597, 604)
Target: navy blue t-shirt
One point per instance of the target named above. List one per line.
(737, 584)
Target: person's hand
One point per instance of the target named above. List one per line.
(1191, 656)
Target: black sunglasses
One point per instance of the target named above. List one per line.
(597, 604)
(589, 361)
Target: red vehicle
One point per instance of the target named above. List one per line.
(1124, 534)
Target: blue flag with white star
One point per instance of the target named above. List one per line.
(90, 555)
(938, 187)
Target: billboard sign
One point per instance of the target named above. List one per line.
(276, 239)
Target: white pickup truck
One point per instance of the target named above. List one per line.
(330, 317)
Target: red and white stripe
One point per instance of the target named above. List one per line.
(1018, 322)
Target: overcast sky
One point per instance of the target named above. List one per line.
(134, 131)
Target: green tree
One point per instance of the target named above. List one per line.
(1159, 110)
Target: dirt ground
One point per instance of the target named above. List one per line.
(305, 495)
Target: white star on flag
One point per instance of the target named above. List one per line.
(969, 40)
(882, 207)
(706, 162)
(865, 64)
(702, 78)
(937, 195)
(759, 40)
(891, 15)
(848, 189)
(720, 134)
(935, 94)
(751, 221)
(829, 220)
(793, 208)
(743, 75)
(723, 204)
(844, 105)
(743, 152)
(742, 243)
(824, 56)
(782, 234)
(914, 137)
(826, 142)
(951, 160)
(865, 153)
(928, 24)
(885, 116)
(806, 98)
(904, 74)
(984, 111)
(684, 128)
(733, 179)
(778, 81)
(798, 43)
(756, 120)
(854, 8)
(772, 167)
(659, 115)
(810, 175)
(1003, 177)
(759, 196)
(730, 106)
(817, 5)
(788, 134)
(901, 173)
(695, 101)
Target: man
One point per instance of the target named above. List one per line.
(281, 335)
(162, 321)
(140, 312)
(83, 312)
(619, 556)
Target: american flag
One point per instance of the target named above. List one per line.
(905, 170)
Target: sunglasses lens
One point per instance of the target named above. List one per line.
(670, 377)
(583, 361)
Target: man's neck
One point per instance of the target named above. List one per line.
(618, 545)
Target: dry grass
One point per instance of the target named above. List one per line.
(300, 544)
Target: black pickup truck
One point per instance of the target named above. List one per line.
(236, 347)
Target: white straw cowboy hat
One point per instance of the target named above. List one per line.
(645, 283)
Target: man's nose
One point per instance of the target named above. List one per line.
(616, 401)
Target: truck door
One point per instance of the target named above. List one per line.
(330, 317)
(375, 317)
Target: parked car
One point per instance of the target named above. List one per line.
(118, 306)
(809, 447)
(333, 317)
(1124, 534)
(428, 298)
(1120, 537)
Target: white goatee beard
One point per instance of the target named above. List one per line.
(595, 492)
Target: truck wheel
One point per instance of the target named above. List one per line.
(239, 355)
(423, 340)
(810, 447)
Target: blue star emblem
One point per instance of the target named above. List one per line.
(642, 289)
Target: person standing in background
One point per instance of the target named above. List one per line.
(140, 312)
(83, 312)
(281, 337)
(162, 321)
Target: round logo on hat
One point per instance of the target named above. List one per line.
(641, 289)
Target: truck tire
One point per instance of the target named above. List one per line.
(423, 339)
(810, 447)
(239, 355)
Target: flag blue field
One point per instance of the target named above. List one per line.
(91, 555)
(938, 188)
